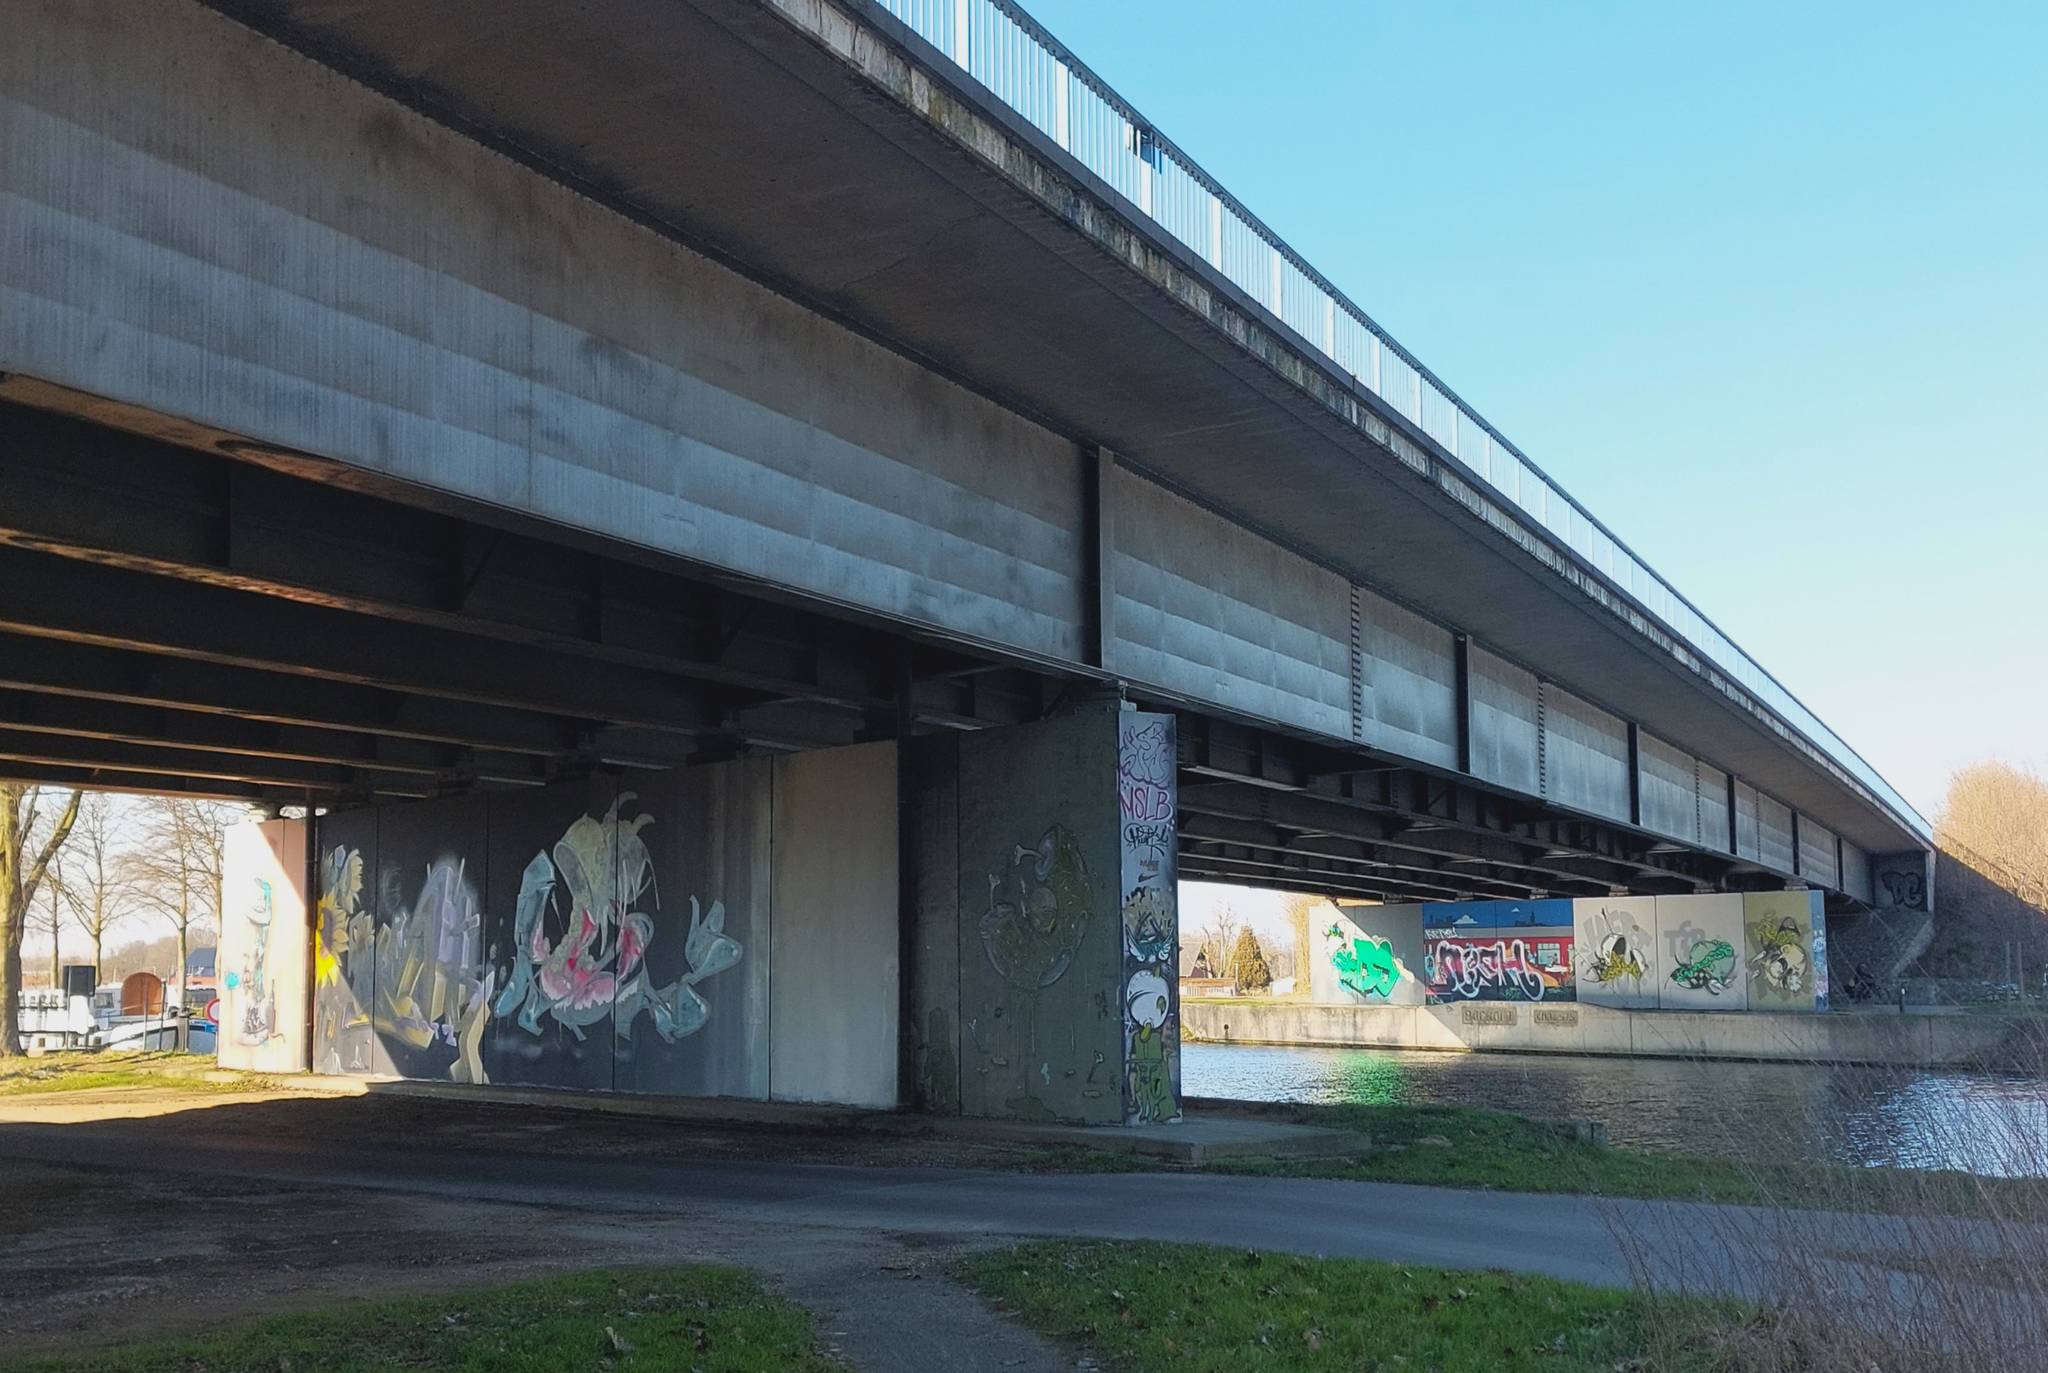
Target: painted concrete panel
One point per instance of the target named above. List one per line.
(835, 967)
(1369, 956)
(710, 899)
(1617, 951)
(195, 248)
(1208, 610)
(344, 948)
(434, 972)
(1785, 967)
(1856, 873)
(1745, 820)
(265, 948)
(1041, 965)
(1699, 944)
(1148, 806)
(1499, 951)
(1504, 722)
(1713, 794)
(1669, 787)
(931, 787)
(1409, 690)
(1585, 755)
(1818, 862)
(552, 906)
(1773, 833)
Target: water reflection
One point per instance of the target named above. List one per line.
(1865, 1116)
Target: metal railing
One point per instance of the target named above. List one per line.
(1025, 67)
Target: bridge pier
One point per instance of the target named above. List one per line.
(741, 929)
(1045, 924)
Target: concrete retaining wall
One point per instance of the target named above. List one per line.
(1581, 1029)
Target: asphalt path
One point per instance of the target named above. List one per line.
(1567, 1237)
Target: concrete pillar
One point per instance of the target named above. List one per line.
(264, 946)
(1043, 981)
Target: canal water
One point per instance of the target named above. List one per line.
(1978, 1122)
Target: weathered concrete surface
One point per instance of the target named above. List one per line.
(266, 250)
(1876, 1037)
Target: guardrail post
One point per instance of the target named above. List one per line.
(961, 32)
(1060, 131)
(1215, 231)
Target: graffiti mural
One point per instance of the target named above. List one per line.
(264, 947)
(433, 978)
(1785, 943)
(1365, 965)
(249, 984)
(414, 975)
(1038, 910)
(1499, 951)
(1149, 833)
(599, 873)
(344, 984)
(1700, 962)
(1616, 951)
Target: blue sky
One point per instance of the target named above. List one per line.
(1764, 285)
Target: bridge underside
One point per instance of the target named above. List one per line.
(293, 635)
(717, 405)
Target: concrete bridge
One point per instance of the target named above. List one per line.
(852, 427)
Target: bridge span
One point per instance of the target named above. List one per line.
(849, 422)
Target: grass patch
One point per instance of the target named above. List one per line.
(98, 1072)
(1150, 1308)
(1456, 1146)
(717, 1320)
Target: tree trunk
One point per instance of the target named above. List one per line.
(10, 966)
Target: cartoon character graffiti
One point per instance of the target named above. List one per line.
(598, 968)
(1620, 953)
(251, 982)
(1150, 923)
(1148, 1007)
(1366, 966)
(1038, 911)
(1783, 962)
(1707, 966)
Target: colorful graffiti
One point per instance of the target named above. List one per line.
(1619, 950)
(415, 983)
(1146, 800)
(1365, 965)
(597, 970)
(343, 984)
(1707, 965)
(433, 977)
(1149, 1006)
(1783, 961)
(250, 984)
(1497, 970)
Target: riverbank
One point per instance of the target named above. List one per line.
(1861, 1036)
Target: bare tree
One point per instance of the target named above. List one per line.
(1991, 876)
(27, 848)
(97, 888)
(175, 868)
(1220, 937)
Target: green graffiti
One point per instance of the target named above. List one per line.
(1367, 966)
(1038, 910)
(1708, 967)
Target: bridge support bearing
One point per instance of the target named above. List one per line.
(1044, 956)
